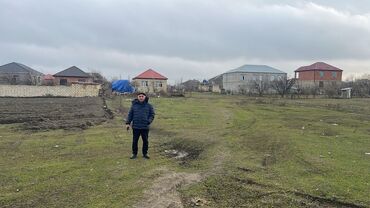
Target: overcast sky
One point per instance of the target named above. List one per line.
(184, 39)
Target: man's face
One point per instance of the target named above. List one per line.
(141, 98)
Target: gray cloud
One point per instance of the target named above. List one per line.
(183, 39)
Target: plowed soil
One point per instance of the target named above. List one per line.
(53, 113)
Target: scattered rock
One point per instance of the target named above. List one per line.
(176, 153)
(198, 202)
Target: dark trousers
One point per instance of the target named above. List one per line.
(135, 140)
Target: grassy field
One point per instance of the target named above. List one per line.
(248, 152)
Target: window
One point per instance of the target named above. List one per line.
(81, 80)
(321, 74)
(158, 84)
(334, 74)
(14, 79)
(321, 84)
(144, 83)
(63, 82)
(242, 77)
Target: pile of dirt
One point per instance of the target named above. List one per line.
(54, 113)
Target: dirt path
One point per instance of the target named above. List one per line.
(163, 192)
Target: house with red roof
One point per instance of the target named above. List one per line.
(319, 74)
(150, 81)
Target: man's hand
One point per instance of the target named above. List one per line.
(127, 127)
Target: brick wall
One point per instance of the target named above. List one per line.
(75, 90)
(70, 80)
(320, 75)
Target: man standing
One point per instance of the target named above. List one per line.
(141, 115)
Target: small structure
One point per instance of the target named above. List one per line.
(72, 75)
(346, 92)
(48, 80)
(19, 74)
(204, 86)
(191, 85)
(319, 75)
(122, 86)
(215, 84)
(150, 81)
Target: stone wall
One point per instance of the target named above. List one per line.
(75, 90)
(150, 85)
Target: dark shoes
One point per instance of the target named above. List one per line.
(133, 157)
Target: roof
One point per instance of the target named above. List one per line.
(72, 72)
(256, 69)
(318, 66)
(150, 74)
(48, 77)
(18, 68)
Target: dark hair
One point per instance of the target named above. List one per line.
(141, 93)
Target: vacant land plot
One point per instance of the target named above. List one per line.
(207, 150)
(52, 113)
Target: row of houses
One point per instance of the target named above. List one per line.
(318, 75)
(20, 74)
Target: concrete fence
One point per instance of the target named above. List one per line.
(75, 90)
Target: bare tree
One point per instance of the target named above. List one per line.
(243, 89)
(260, 86)
(365, 76)
(361, 88)
(9, 79)
(332, 90)
(283, 85)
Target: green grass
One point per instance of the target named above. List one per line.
(268, 152)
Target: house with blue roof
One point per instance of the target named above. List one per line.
(240, 79)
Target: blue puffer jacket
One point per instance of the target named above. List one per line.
(141, 114)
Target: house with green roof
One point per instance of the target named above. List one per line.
(241, 78)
